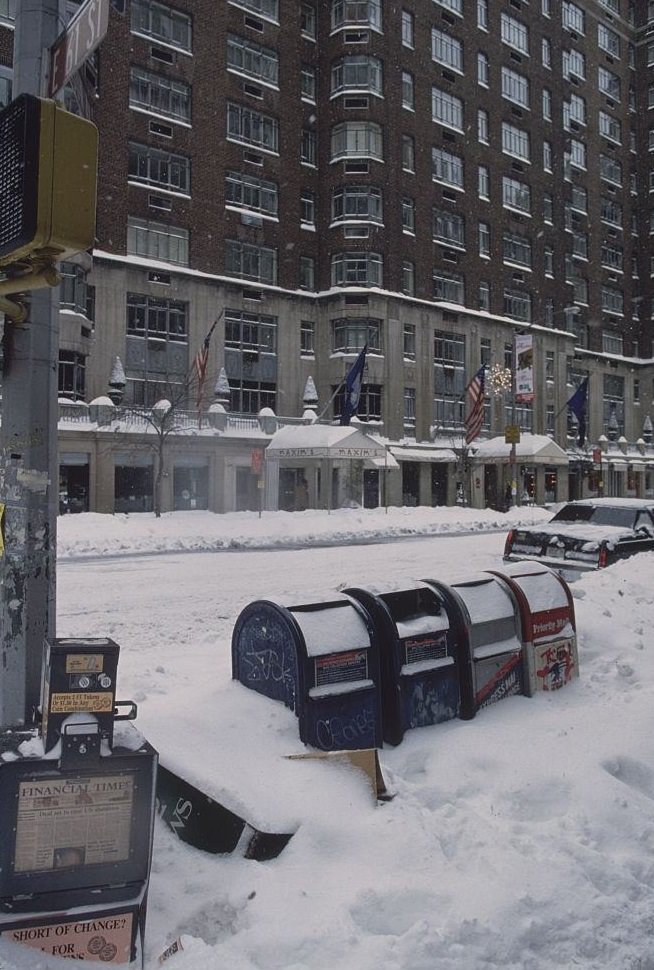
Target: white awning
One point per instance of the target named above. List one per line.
(299, 442)
(384, 463)
(423, 454)
(535, 449)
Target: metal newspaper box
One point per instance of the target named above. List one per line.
(77, 810)
(321, 659)
(491, 638)
(548, 625)
(419, 656)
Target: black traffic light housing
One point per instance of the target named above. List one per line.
(48, 181)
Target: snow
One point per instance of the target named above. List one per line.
(521, 839)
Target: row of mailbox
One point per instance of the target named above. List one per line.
(365, 665)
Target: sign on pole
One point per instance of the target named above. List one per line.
(78, 41)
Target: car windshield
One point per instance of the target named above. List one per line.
(597, 515)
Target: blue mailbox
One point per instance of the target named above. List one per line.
(420, 655)
(322, 660)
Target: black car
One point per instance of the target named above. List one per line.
(584, 535)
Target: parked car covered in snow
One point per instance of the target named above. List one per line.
(584, 535)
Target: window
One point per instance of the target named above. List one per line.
(74, 289)
(361, 139)
(308, 146)
(612, 256)
(72, 372)
(308, 20)
(448, 228)
(250, 332)
(8, 10)
(446, 167)
(516, 194)
(448, 287)
(482, 14)
(547, 104)
(351, 334)
(574, 65)
(610, 127)
(573, 17)
(246, 57)
(250, 262)
(408, 153)
(307, 273)
(546, 55)
(482, 69)
(517, 305)
(265, 8)
(611, 299)
(446, 109)
(363, 13)
(361, 268)
(548, 261)
(156, 240)
(357, 202)
(369, 407)
(608, 40)
(482, 126)
(159, 94)
(483, 182)
(484, 239)
(408, 277)
(609, 83)
(548, 207)
(515, 87)
(547, 156)
(308, 83)
(515, 141)
(409, 409)
(249, 192)
(163, 169)
(357, 72)
(446, 50)
(407, 28)
(409, 341)
(579, 198)
(576, 110)
(6, 87)
(307, 337)
(449, 380)
(252, 128)
(408, 96)
(408, 215)
(546, 8)
(307, 208)
(514, 33)
(162, 23)
(516, 249)
(484, 295)
(456, 6)
(152, 318)
(610, 169)
(577, 153)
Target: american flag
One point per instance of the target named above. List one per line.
(475, 396)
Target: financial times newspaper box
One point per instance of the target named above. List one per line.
(419, 649)
(77, 821)
(321, 659)
(491, 639)
(548, 625)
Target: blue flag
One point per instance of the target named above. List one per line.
(578, 405)
(353, 383)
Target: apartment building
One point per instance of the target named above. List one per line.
(431, 178)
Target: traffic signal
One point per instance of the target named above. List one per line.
(48, 181)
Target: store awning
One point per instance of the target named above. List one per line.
(423, 454)
(533, 449)
(300, 442)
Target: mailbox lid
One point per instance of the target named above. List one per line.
(492, 616)
(331, 626)
(546, 605)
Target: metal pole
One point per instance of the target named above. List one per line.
(28, 440)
